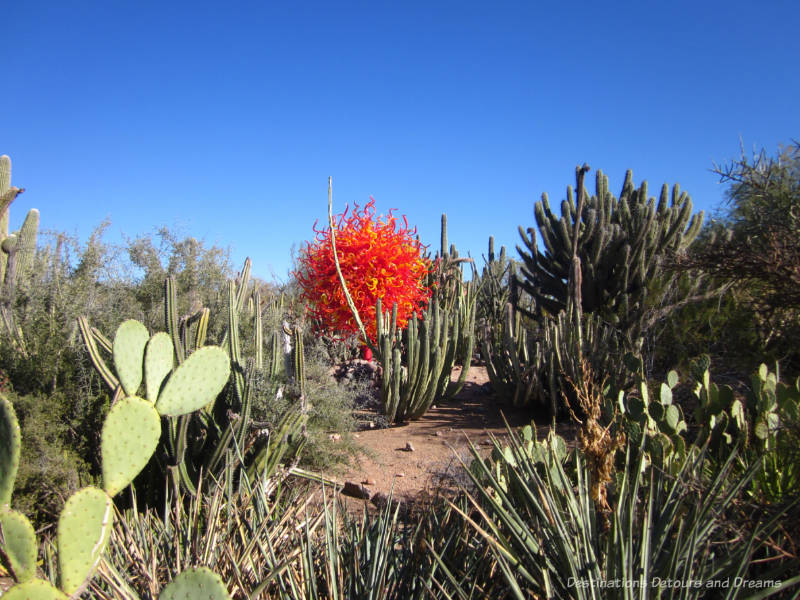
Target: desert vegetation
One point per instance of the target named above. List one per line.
(165, 417)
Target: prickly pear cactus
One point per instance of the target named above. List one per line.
(157, 363)
(199, 582)
(20, 543)
(9, 449)
(720, 413)
(196, 383)
(36, 589)
(131, 433)
(659, 419)
(84, 529)
(129, 343)
(130, 436)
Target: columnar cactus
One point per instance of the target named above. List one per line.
(16, 250)
(414, 377)
(533, 367)
(622, 245)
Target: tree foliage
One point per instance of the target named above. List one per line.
(755, 244)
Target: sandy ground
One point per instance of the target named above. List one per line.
(422, 457)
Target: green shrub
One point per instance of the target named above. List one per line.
(330, 404)
(59, 450)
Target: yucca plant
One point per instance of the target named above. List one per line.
(550, 538)
(370, 557)
(244, 530)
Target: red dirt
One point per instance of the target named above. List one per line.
(438, 438)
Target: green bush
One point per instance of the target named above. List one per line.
(330, 404)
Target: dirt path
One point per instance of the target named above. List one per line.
(421, 456)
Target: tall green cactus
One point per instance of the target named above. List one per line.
(415, 377)
(418, 361)
(622, 245)
(533, 366)
(16, 251)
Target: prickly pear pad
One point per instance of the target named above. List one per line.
(199, 582)
(196, 383)
(20, 543)
(9, 449)
(83, 532)
(130, 436)
(157, 363)
(129, 343)
(35, 589)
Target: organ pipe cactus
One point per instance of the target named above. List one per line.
(418, 361)
(420, 373)
(622, 245)
(533, 365)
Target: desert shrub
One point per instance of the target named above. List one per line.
(60, 443)
(330, 404)
(754, 245)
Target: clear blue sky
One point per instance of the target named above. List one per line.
(225, 119)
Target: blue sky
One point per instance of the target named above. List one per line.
(224, 120)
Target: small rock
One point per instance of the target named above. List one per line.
(371, 425)
(433, 407)
(409, 447)
(380, 500)
(438, 434)
(400, 474)
(355, 490)
(355, 435)
(334, 437)
(368, 481)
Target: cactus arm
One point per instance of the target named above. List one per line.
(171, 318)
(258, 330)
(234, 347)
(183, 470)
(242, 284)
(202, 328)
(298, 361)
(102, 340)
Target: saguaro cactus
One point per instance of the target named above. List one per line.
(17, 248)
